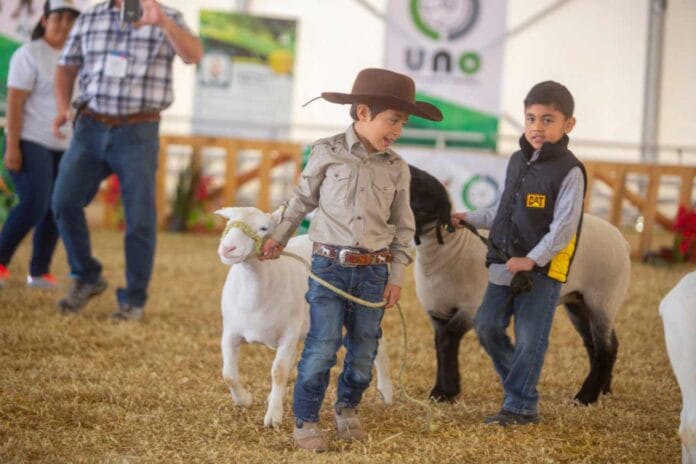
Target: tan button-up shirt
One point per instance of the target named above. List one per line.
(361, 200)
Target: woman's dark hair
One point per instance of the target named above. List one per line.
(374, 110)
(39, 29)
(551, 93)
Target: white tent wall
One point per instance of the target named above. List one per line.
(595, 47)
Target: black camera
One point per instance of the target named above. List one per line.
(131, 11)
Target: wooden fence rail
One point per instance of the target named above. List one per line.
(615, 175)
(272, 154)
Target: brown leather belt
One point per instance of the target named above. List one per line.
(112, 120)
(352, 256)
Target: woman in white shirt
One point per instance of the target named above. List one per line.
(32, 152)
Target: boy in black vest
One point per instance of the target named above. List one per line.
(536, 225)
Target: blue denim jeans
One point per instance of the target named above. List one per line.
(33, 184)
(518, 365)
(329, 313)
(95, 152)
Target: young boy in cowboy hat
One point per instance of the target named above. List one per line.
(359, 187)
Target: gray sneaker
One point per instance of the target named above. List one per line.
(126, 312)
(79, 294)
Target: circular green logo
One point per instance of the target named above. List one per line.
(480, 191)
(450, 19)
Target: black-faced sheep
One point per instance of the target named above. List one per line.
(264, 302)
(451, 278)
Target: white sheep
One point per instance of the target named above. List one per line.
(451, 279)
(678, 312)
(264, 302)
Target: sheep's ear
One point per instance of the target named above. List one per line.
(225, 212)
(277, 215)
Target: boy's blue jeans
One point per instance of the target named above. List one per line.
(518, 365)
(34, 184)
(329, 313)
(95, 152)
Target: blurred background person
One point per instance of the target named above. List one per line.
(31, 151)
(125, 79)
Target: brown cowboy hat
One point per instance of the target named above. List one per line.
(386, 88)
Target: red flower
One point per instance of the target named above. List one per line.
(203, 188)
(685, 234)
(112, 192)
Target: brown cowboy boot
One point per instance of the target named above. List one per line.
(348, 425)
(308, 436)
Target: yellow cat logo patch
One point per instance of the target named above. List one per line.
(536, 200)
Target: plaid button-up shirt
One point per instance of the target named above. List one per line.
(147, 84)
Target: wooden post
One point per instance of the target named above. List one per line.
(590, 173)
(229, 189)
(264, 201)
(686, 188)
(161, 180)
(650, 210)
(618, 196)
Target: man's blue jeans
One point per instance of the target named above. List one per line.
(96, 151)
(518, 365)
(329, 313)
(34, 184)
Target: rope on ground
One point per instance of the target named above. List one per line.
(429, 425)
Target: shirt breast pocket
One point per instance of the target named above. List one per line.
(337, 183)
(383, 190)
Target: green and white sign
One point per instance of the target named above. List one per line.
(454, 50)
(245, 79)
(474, 181)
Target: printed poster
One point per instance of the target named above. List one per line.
(454, 51)
(473, 180)
(244, 81)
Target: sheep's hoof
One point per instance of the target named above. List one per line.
(273, 418)
(584, 399)
(241, 398)
(387, 395)
(439, 396)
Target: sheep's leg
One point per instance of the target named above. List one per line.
(280, 373)
(601, 344)
(687, 432)
(230, 354)
(384, 383)
(448, 335)
(613, 351)
(681, 347)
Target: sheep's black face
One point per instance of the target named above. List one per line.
(429, 202)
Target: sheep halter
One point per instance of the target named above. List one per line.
(248, 231)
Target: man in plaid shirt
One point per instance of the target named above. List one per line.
(125, 81)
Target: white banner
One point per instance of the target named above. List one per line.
(474, 180)
(454, 51)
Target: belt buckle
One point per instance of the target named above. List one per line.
(342, 257)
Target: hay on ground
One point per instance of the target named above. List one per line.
(81, 389)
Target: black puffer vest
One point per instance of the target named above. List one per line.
(527, 204)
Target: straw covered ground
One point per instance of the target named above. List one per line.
(81, 389)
